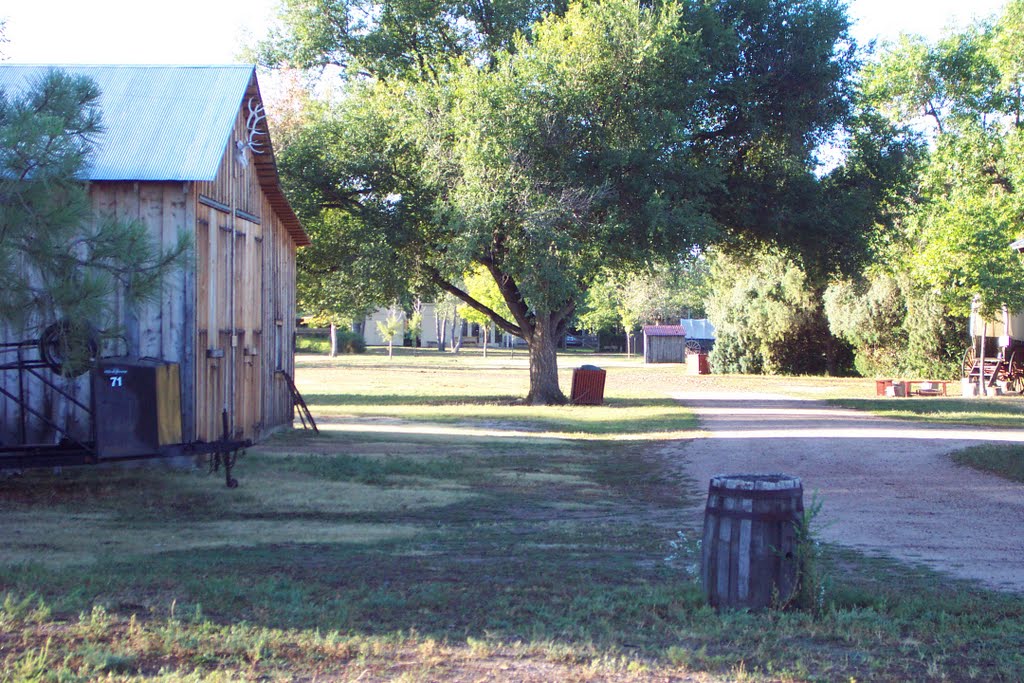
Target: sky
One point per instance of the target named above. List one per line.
(212, 31)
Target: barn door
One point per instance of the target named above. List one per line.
(213, 338)
(248, 303)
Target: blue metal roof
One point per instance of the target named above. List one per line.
(161, 122)
(698, 328)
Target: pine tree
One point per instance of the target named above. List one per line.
(58, 260)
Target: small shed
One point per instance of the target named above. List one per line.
(186, 148)
(664, 344)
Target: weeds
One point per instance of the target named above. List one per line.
(811, 578)
(16, 611)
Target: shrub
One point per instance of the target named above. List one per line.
(350, 342)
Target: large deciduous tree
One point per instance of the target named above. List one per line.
(907, 312)
(969, 199)
(605, 137)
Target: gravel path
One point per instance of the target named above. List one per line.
(887, 486)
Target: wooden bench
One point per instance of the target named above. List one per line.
(926, 387)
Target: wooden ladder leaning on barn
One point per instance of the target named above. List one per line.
(300, 404)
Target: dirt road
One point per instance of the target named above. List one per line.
(888, 487)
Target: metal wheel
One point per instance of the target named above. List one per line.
(970, 357)
(68, 349)
(1015, 372)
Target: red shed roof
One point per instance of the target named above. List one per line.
(664, 331)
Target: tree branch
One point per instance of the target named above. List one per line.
(506, 325)
(513, 297)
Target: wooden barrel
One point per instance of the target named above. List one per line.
(748, 554)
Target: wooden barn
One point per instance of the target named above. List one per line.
(186, 148)
(664, 344)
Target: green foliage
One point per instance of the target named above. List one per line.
(391, 327)
(870, 316)
(895, 327)
(58, 260)
(967, 205)
(393, 39)
(960, 234)
(481, 287)
(812, 579)
(347, 342)
(349, 269)
(607, 136)
(662, 294)
(767, 319)
(549, 149)
(414, 324)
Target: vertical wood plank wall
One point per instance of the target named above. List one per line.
(191, 319)
(260, 293)
(159, 329)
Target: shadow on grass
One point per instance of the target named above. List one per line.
(552, 546)
(624, 416)
(315, 400)
(975, 412)
(555, 549)
(494, 585)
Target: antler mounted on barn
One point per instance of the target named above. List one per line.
(257, 115)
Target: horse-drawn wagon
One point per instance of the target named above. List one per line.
(995, 357)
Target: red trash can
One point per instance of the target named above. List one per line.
(587, 386)
(697, 364)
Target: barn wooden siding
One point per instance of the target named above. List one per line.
(248, 281)
(228, 315)
(158, 329)
(162, 328)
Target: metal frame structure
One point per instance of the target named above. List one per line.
(35, 360)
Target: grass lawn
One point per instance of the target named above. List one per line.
(995, 411)
(436, 530)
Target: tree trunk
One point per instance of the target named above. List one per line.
(543, 345)
(831, 362)
(334, 340)
(391, 342)
(483, 333)
(441, 327)
(456, 334)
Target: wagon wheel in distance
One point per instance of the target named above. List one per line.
(970, 357)
(692, 346)
(1015, 372)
